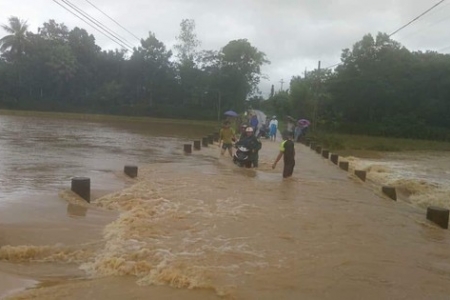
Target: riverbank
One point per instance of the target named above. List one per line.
(100, 117)
(372, 146)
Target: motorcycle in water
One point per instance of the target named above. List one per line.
(242, 157)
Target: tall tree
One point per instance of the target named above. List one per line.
(241, 66)
(13, 45)
(86, 52)
(52, 30)
(188, 73)
(187, 41)
(150, 70)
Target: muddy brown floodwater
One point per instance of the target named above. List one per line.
(198, 227)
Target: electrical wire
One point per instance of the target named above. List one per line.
(92, 26)
(335, 65)
(97, 23)
(403, 27)
(417, 18)
(427, 25)
(124, 47)
(113, 20)
(443, 49)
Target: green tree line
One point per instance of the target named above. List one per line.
(379, 88)
(57, 69)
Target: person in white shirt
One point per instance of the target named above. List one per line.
(273, 127)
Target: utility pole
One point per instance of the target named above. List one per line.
(218, 107)
(316, 103)
(281, 81)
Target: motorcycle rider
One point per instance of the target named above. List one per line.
(242, 131)
(250, 142)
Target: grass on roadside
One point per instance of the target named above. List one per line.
(346, 144)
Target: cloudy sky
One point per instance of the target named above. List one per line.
(295, 34)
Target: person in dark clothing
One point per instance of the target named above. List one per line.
(250, 142)
(287, 151)
(254, 123)
(242, 131)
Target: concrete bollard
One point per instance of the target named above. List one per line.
(343, 165)
(361, 174)
(82, 187)
(211, 139)
(197, 145)
(131, 171)
(438, 215)
(390, 192)
(325, 153)
(205, 141)
(187, 148)
(216, 136)
(313, 146)
(334, 158)
(318, 149)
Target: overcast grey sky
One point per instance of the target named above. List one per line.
(295, 34)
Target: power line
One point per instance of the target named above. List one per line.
(99, 30)
(445, 48)
(88, 23)
(97, 23)
(402, 27)
(417, 18)
(113, 20)
(428, 26)
(335, 65)
(94, 27)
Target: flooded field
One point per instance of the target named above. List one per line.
(197, 227)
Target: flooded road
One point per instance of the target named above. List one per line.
(197, 227)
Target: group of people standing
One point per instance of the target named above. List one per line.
(249, 140)
(297, 128)
(269, 129)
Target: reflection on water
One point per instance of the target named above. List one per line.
(74, 210)
(44, 153)
(200, 224)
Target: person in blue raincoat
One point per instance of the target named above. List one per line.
(273, 127)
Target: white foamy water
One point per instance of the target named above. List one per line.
(423, 177)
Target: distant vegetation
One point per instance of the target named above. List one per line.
(380, 88)
(57, 69)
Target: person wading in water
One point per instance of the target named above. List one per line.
(227, 136)
(287, 151)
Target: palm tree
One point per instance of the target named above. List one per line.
(15, 41)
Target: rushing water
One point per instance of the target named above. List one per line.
(423, 178)
(197, 227)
